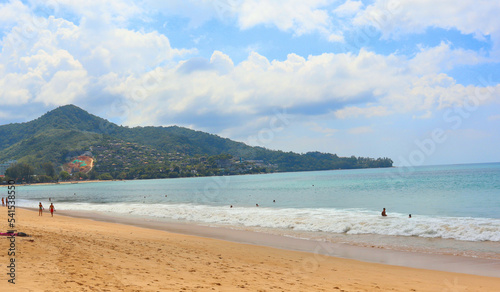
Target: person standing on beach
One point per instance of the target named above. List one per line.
(40, 209)
(52, 209)
(383, 213)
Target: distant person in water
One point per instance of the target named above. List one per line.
(40, 209)
(3, 202)
(256, 205)
(52, 209)
(383, 213)
(231, 206)
(409, 216)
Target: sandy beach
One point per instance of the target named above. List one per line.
(77, 254)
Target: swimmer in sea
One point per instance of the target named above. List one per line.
(383, 213)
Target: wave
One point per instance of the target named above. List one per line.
(328, 220)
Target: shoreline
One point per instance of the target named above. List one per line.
(410, 259)
(76, 254)
(59, 183)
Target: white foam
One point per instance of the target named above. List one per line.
(310, 220)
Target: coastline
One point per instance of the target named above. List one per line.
(60, 183)
(68, 254)
(419, 260)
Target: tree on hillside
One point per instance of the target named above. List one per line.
(92, 174)
(48, 169)
(64, 175)
(80, 176)
(105, 176)
(20, 172)
(43, 178)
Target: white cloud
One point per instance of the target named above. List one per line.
(298, 17)
(54, 64)
(395, 18)
(443, 57)
(99, 12)
(63, 88)
(125, 64)
(13, 93)
(349, 8)
(468, 16)
(50, 78)
(11, 13)
(340, 84)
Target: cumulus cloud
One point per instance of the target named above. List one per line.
(299, 17)
(296, 17)
(443, 58)
(99, 12)
(396, 18)
(349, 8)
(52, 61)
(11, 12)
(340, 85)
(61, 60)
(151, 82)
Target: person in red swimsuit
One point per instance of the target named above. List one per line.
(52, 209)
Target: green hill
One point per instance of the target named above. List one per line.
(69, 131)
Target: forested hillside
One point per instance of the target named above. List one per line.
(150, 152)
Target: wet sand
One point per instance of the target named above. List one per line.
(78, 254)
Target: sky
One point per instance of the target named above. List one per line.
(417, 81)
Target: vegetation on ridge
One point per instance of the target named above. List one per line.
(146, 152)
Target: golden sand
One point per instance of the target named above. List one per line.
(71, 254)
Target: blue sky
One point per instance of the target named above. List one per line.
(417, 80)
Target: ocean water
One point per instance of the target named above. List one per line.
(455, 208)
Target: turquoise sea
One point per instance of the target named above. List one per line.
(454, 208)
